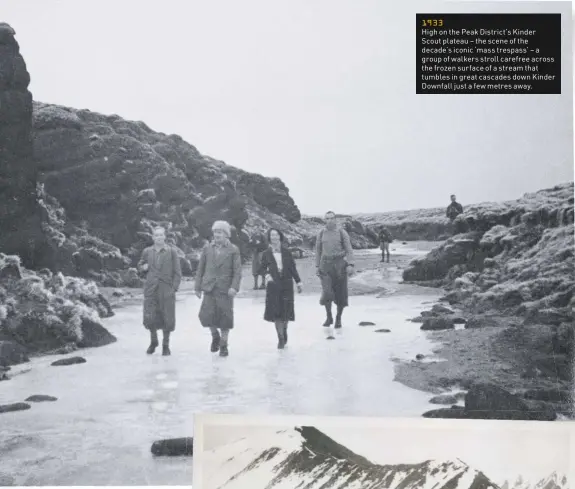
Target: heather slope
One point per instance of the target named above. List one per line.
(115, 179)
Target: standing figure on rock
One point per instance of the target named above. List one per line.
(161, 264)
(334, 263)
(453, 209)
(258, 245)
(384, 240)
(218, 277)
(279, 265)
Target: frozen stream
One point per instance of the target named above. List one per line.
(111, 409)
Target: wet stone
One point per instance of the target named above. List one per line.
(437, 324)
(68, 361)
(17, 406)
(419, 356)
(366, 323)
(383, 330)
(173, 447)
(41, 398)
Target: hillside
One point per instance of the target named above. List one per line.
(113, 180)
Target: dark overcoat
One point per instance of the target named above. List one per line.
(163, 279)
(279, 290)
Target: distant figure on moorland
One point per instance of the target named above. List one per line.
(453, 209)
(334, 263)
(218, 278)
(163, 277)
(258, 245)
(279, 265)
(384, 240)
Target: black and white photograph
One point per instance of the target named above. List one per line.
(214, 206)
(373, 453)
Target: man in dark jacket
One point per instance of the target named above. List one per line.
(454, 209)
(384, 240)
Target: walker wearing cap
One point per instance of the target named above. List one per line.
(218, 278)
(222, 226)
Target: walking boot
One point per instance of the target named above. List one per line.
(224, 350)
(329, 317)
(153, 342)
(338, 318)
(215, 346)
(166, 344)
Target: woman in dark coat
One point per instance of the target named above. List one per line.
(278, 264)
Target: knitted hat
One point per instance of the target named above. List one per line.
(222, 226)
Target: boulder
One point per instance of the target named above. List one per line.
(437, 324)
(17, 406)
(41, 398)
(94, 334)
(436, 265)
(366, 323)
(173, 447)
(68, 361)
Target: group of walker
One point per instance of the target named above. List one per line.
(219, 275)
(218, 279)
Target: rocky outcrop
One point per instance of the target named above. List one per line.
(20, 214)
(116, 179)
(513, 269)
(269, 193)
(43, 312)
(524, 268)
(486, 401)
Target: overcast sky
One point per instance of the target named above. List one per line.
(319, 93)
(502, 450)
